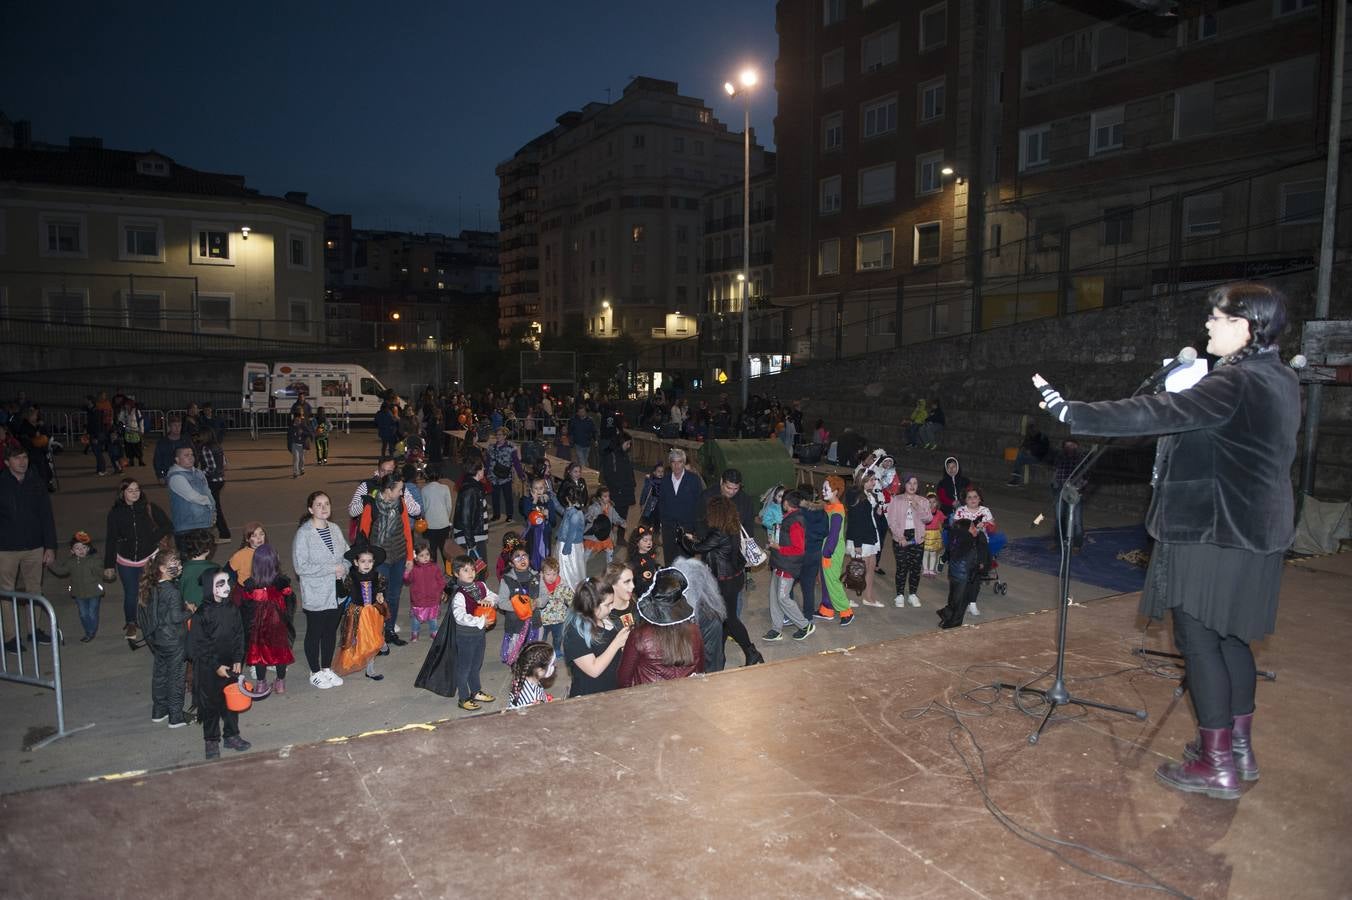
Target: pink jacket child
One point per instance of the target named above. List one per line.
(426, 580)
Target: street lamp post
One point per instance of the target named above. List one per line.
(748, 80)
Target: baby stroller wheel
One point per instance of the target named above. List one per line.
(1001, 587)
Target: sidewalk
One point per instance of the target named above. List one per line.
(110, 686)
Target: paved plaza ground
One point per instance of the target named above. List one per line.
(109, 686)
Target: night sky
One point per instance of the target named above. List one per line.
(396, 112)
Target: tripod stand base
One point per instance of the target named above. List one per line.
(1057, 695)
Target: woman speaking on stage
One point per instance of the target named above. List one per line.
(1222, 518)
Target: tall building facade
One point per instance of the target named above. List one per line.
(615, 214)
(972, 163)
(100, 238)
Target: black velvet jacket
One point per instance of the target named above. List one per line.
(1223, 464)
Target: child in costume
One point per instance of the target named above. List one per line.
(361, 636)
(272, 617)
(534, 665)
(218, 653)
(426, 581)
(555, 602)
(84, 575)
(539, 510)
(833, 553)
(643, 557)
(602, 520)
(510, 541)
(568, 548)
(163, 619)
(241, 561)
(474, 613)
(648, 498)
(934, 537)
(518, 598)
(321, 432)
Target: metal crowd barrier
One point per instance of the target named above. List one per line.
(32, 675)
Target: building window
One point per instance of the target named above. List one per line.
(151, 166)
(1035, 147)
(1293, 89)
(828, 257)
(142, 240)
(833, 11)
(833, 132)
(933, 27)
(62, 235)
(830, 195)
(997, 237)
(1194, 110)
(682, 234)
(67, 307)
(1287, 7)
(1302, 203)
(1039, 66)
(678, 144)
(215, 312)
(211, 245)
(877, 185)
(928, 177)
(879, 49)
(298, 251)
(1202, 215)
(1110, 47)
(873, 251)
(637, 233)
(1117, 225)
(927, 243)
(1105, 130)
(1206, 26)
(143, 309)
(931, 103)
(833, 68)
(880, 116)
(299, 310)
(1047, 229)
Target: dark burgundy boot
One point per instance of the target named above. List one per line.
(1213, 772)
(1246, 764)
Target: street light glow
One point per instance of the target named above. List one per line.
(946, 170)
(749, 78)
(727, 86)
(394, 315)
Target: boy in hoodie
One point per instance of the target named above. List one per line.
(216, 643)
(786, 560)
(952, 486)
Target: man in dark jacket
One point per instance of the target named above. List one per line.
(730, 486)
(167, 447)
(27, 533)
(582, 432)
(678, 503)
(617, 473)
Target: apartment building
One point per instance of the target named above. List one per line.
(617, 190)
(113, 238)
(958, 165)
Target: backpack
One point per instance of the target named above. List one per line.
(855, 575)
(145, 621)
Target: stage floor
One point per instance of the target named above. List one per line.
(835, 774)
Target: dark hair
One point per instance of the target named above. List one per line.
(635, 535)
(431, 473)
(266, 567)
(197, 542)
(722, 516)
(460, 562)
(309, 502)
(973, 488)
(792, 498)
(409, 472)
(1264, 308)
(386, 482)
(535, 655)
(14, 450)
(587, 599)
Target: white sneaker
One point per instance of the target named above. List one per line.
(333, 678)
(396, 627)
(319, 681)
(913, 600)
(972, 610)
(899, 601)
(854, 603)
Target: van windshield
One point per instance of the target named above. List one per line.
(371, 386)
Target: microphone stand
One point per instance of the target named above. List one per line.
(1067, 516)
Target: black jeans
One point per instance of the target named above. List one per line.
(436, 540)
(503, 493)
(732, 625)
(166, 682)
(908, 560)
(211, 710)
(222, 529)
(261, 671)
(1221, 676)
(321, 636)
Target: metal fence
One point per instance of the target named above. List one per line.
(11, 603)
(72, 425)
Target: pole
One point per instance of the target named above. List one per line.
(1324, 283)
(746, 247)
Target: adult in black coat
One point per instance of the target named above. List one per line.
(721, 551)
(678, 502)
(617, 473)
(135, 526)
(730, 486)
(1222, 517)
(469, 524)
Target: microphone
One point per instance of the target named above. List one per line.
(1185, 357)
(1298, 362)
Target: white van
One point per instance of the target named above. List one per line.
(338, 387)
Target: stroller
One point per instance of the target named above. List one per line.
(412, 450)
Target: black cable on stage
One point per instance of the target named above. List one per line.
(977, 771)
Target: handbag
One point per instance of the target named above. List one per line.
(752, 552)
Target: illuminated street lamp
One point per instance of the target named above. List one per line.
(748, 79)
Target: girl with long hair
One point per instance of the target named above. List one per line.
(592, 641)
(533, 667)
(271, 619)
(666, 643)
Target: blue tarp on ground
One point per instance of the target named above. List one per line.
(1097, 564)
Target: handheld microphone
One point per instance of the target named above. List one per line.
(1185, 357)
(1298, 362)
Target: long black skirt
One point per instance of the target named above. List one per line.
(438, 669)
(1232, 592)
